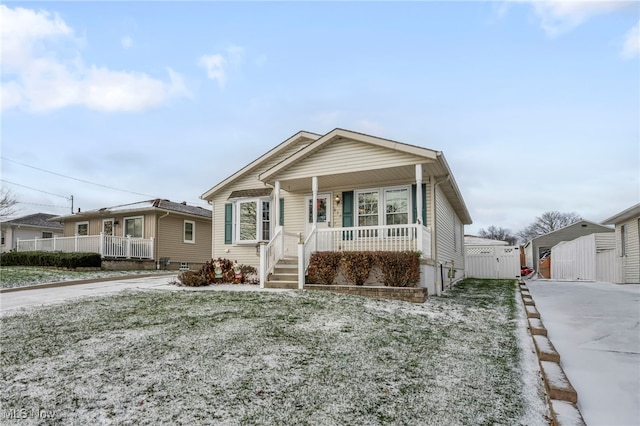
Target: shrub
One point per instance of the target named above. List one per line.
(51, 258)
(192, 279)
(399, 269)
(356, 266)
(323, 266)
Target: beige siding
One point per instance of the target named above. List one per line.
(170, 242)
(348, 156)
(449, 233)
(632, 250)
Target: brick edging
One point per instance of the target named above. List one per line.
(561, 396)
(75, 282)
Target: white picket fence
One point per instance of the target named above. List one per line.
(108, 246)
(495, 262)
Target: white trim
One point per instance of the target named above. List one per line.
(124, 225)
(259, 228)
(193, 232)
(113, 225)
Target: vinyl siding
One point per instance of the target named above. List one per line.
(344, 156)
(170, 242)
(632, 255)
(95, 225)
(449, 244)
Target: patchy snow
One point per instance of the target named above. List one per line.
(595, 327)
(555, 376)
(244, 357)
(543, 343)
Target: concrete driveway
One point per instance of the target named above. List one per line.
(596, 329)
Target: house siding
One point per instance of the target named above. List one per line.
(13, 234)
(95, 225)
(631, 259)
(170, 242)
(338, 157)
(449, 244)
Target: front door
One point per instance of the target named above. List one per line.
(107, 227)
(324, 211)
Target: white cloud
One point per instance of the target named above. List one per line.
(36, 78)
(126, 42)
(631, 46)
(217, 65)
(560, 16)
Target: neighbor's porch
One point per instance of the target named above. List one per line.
(108, 246)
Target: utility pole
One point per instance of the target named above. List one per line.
(72, 204)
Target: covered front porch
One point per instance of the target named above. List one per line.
(382, 217)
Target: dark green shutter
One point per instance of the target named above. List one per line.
(424, 203)
(228, 223)
(281, 211)
(347, 214)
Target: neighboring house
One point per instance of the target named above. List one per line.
(591, 258)
(538, 246)
(627, 228)
(472, 240)
(154, 229)
(341, 191)
(28, 227)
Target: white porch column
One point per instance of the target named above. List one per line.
(419, 201)
(314, 189)
(276, 201)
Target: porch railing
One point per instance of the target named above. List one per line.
(107, 246)
(281, 245)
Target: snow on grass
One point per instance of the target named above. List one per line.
(278, 358)
(21, 276)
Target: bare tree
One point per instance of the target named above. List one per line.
(548, 222)
(8, 202)
(498, 233)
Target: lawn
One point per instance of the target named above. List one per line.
(299, 357)
(21, 276)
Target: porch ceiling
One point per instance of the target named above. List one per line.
(364, 178)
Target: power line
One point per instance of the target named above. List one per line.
(43, 205)
(76, 179)
(35, 189)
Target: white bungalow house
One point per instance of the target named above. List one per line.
(38, 225)
(340, 191)
(627, 228)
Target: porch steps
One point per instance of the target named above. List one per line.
(285, 274)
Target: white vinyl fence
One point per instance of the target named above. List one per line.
(590, 258)
(492, 262)
(106, 245)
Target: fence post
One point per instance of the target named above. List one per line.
(127, 246)
(301, 263)
(35, 244)
(75, 248)
(54, 243)
(151, 253)
(418, 231)
(263, 264)
(102, 244)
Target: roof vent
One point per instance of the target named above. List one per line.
(184, 203)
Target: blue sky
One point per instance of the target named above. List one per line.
(536, 105)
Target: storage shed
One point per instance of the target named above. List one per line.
(627, 232)
(539, 245)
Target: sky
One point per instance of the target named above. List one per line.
(535, 105)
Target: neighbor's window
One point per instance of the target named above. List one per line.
(82, 228)
(189, 231)
(623, 240)
(47, 234)
(133, 226)
(253, 220)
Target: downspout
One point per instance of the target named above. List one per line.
(434, 248)
(156, 249)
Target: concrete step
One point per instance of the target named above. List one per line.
(292, 285)
(556, 382)
(283, 277)
(532, 312)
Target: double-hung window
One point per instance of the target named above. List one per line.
(133, 226)
(189, 231)
(253, 220)
(82, 228)
(384, 206)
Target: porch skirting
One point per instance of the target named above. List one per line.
(407, 294)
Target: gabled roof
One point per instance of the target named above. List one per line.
(301, 135)
(630, 213)
(41, 220)
(597, 228)
(147, 205)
